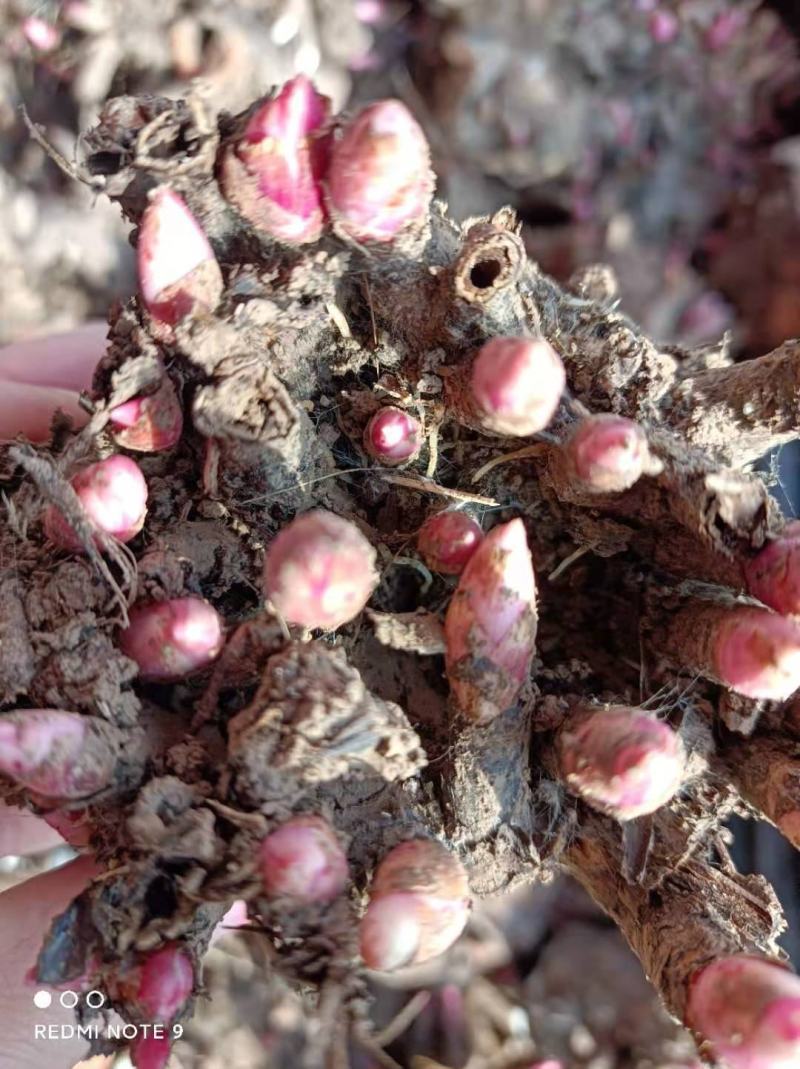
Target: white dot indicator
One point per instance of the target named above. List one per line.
(68, 999)
(42, 1000)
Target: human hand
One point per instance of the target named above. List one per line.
(36, 378)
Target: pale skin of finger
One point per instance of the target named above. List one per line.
(44, 374)
(22, 833)
(25, 915)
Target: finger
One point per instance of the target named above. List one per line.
(29, 410)
(25, 915)
(63, 360)
(23, 833)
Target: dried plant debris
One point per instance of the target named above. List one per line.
(191, 665)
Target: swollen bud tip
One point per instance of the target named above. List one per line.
(490, 627)
(516, 385)
(380, 181)
(621, 761)
(171, 639)
(758, 654)
(393, 436)
(178, 273)
(607, 453)
(148, 424)
(748, 1008)
(304, 861)
(419, 905)
(448, 540)
(113, 493)
(773, 576)
(272, 173)
(149, 1052)
(54, 753)
(319, 571)
(166, 980)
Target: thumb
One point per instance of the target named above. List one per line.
(25, 915)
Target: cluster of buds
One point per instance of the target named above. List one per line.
(319, 571)
(291, 170)
(393, 436)
(113, 494)
(514, 387)
(418, 906)
(490, 627)
(448, 540)
(607, 453)
(171, 639)
(621, 761)
(304, 861)
(748, 1008)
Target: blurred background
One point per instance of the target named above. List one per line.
(661, 138)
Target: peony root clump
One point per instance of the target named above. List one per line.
(351, 415)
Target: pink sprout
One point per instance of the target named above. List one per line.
(773, 576)
(622, 761)
(380, 182)
(178, 272)
(516, 385)
(171, 639)
(150, 423)
(448, 540)
(113, 493)
(166, 979)
(273, 173)
(304, 861)
(758, 654)
(150, 1051)
(608, 453)
(48, 752)
(491, 624)
(748, 1008)
(319, 571)
(393, 436)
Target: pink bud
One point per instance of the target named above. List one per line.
(748, 1008)
(178, 273)
(758, 654)
(419, 905)
(490, 627)
(41, 35)
(151, 423)
(773, 576)
(272, 173)
(149, 1052)
(621, 761)
(380, 181)
(171, 639)
(304, 861)
(166, 979)
(448, 540)
(113, 493)
(54, 753)
(724, 27)
(663, 26)
(393, 436)
(607, 453)
(516, 385)
(319, 571)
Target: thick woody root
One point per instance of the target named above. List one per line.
(323, 372)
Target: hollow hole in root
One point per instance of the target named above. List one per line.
(485, 273)
(160, 898)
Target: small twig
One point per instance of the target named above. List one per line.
(61, 161)
(371, 312)
(368, 1043)
(518, 454)
(433, 450)
(428, 485)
